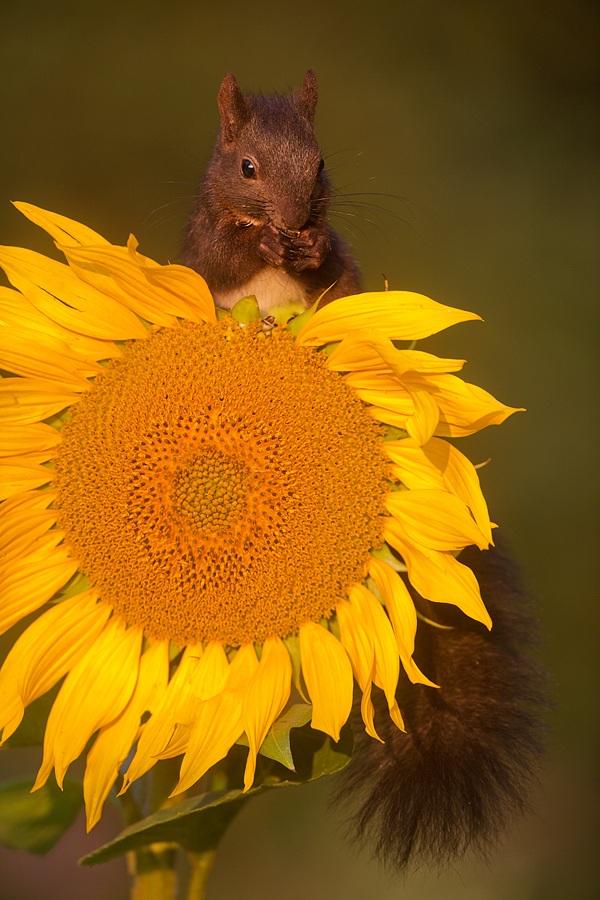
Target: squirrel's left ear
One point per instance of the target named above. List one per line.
(307, 100)
(233, 108)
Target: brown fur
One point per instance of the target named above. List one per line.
(463, 769)
(244, 229)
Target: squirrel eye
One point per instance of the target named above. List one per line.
(321, 166)
(248, 169)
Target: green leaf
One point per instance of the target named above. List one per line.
(332, 757)
(35, 822)
(276, 745)
(199, 823)
(246, 310)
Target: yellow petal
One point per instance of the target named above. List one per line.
(402, 613)
(46, 651)
(111, 271)
(177, 706)
(27, 459)
(358, 644)
(40, 550)
(440, 465)
(27, 439)
(33, 584)
(367, 710)
(405, 316)
(24, 401)
(438, 576)
(23, 519)
(56, 290)
(41, 356)
(265, 698)
(367, 352)
(328, 675)
(465, 408)
(186, 285)
(218, 723)
(435, 519)
(15, 479)
(206, 679)
(146, 287)
(59, 227)
(115, 740)
(211, 672)
(424, 420)
(410, 404)
(94, 693)
(387, 661)
(15, 309)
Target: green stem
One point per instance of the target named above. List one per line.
(152, 871)
(201, 866)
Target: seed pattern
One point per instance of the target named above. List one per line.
(219, 484)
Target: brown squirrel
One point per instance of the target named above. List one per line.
(451, 782)
(259, 225)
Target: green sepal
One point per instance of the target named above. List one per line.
(385, 555)
(221, 313)
(292, 645)
(199, 823)
(276, 745)
(57, 420)
(35, 822)
(327, 349)
(392, 433)
(246, 310)
(77, 584)
(295, 325)
(287, 311)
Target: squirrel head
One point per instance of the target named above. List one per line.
(267, 166)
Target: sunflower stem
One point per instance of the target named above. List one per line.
(201, 866)
(165, 775)
(152, 871)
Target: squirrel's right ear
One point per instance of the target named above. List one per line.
(233, 108)
(309, 95)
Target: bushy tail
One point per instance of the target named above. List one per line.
(463, 769)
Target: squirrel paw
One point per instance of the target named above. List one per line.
(271, 246)
(309, 249)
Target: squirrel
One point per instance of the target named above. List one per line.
(259, 225)
(455, 778)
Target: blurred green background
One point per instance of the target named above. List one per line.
(467, 134)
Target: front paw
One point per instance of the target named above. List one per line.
(309, 249)
(271, 246)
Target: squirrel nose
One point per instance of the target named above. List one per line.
(291, 218)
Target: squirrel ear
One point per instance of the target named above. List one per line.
(233, 108)
(308, 98)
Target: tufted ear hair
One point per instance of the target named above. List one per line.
(307, 101)
(233, 108)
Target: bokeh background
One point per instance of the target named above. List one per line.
(465, 133)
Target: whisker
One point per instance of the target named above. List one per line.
(164, 206)
(355, 217)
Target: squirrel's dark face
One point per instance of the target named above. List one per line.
(268, 165)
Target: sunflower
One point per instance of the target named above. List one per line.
(213, 511)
